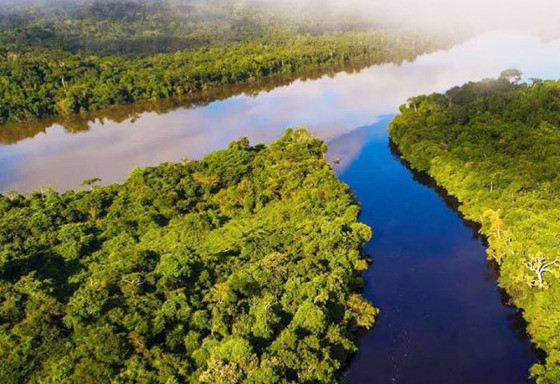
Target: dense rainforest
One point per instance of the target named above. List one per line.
(241, 267)
(82, 122)
(76, 57)
(495, 146)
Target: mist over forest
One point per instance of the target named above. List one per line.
(460, 16)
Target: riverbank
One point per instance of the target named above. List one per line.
(492, 145)
(40, 83)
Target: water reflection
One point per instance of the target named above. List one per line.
(109, 146)
(80, 123)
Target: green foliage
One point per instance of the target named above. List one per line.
(241, 267)
(107, 27)
(494, 146)
(85, 58)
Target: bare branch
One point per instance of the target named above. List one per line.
(539, 266)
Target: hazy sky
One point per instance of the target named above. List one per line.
(537, 15)
(476, 15)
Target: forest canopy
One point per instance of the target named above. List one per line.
(241, 267)
(494, 145)
(72, 58)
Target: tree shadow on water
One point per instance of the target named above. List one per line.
(514, 317)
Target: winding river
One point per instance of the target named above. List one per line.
(443, 319)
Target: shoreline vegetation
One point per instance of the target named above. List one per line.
(81, 122)
(493, 145)
(48, 84)
(79, 59)
(241, 267)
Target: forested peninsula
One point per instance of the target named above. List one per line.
(72, 58)
(495, 146)
(241, 267)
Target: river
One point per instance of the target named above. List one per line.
(443, 319)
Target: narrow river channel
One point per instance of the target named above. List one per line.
(443, 319)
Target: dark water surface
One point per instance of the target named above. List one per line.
(442, 317)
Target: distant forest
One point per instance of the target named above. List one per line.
(495, 145)
(63, 58)
(157, 26)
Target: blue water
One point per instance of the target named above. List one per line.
(441, 319)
